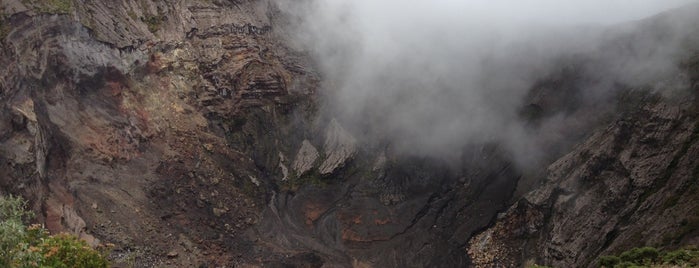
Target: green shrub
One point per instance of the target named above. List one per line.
(50, 6)
(4, 28)
(627, 264)
(12, 231)
(12, 209)
(651, 257)
(66, 251)
(609, 261)
(22, 246)
(641, 256)
(154, 22)
(681, 256)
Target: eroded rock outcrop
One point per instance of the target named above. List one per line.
(629, 185)
(339, 147)
(305, 158)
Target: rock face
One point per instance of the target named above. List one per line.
(149, 110)
(339, 147)
(410, 205)
(631, 184)
(163, 127)
(305, 158)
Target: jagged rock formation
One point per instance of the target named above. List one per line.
(339, 147)
(164, 127)
(305, 158)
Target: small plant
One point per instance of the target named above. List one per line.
(22, 246)
(651, 257)
(50, 6)
(4, 28)
(609, 261)
(681, 257)
(132, 15)
(154, 22)
(643, 256)
(64, 250)
(12, 231)
(311, 178)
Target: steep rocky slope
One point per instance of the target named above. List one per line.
(188, 133)
(135, 122)
(631, 183)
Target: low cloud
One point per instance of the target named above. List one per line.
(434, 76)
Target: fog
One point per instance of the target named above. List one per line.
(434, 76)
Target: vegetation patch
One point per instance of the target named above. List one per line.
(132, 15)
(154, 22)
(295, 182)
(32, 246)
(4, 28)
(652, 257)
(50, 6)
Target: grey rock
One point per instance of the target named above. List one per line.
(305, 158)
(339, 147)
(283, 167)
(219, 212)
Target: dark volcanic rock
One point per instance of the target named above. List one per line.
(119, 104)
(187, 133)
(631, 184)
(412, 205)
